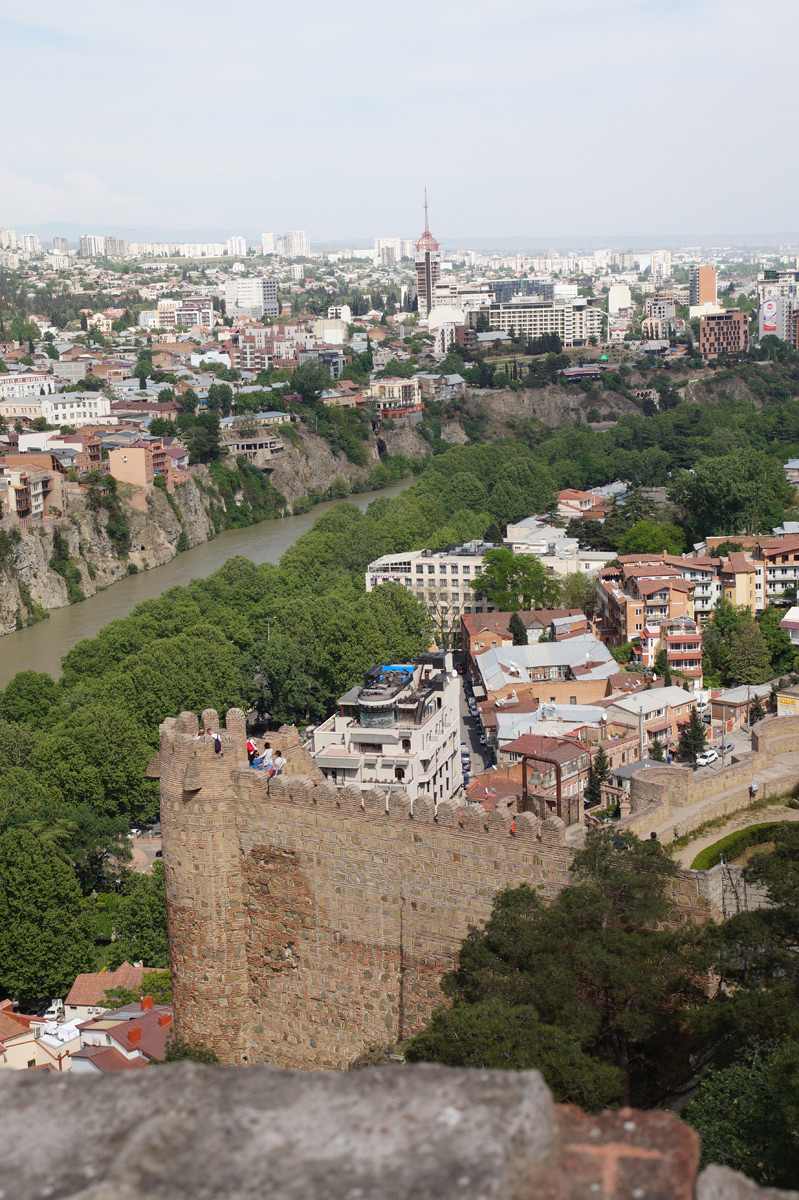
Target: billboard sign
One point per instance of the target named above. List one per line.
(768, 318)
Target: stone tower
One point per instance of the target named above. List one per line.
(306, 921)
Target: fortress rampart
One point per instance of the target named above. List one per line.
(308, 921)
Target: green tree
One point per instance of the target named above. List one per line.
(780, 647)
(140, 921)
(599, 963)
(516, 581)
(661, 662)
(29, 698)
(651, 537)
(747, 1114)
(599, 773)
(156, 984)
(46, 933)
(517, 628)
(749, 659)
(310, 380)
(656, 751)
(756, 711)
(220, 399)
(492, 1035)
(693, 738)
(578, 591)
(742, 492)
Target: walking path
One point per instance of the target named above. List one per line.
(739, 820)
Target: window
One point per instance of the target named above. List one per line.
(406, 745)
(399, 774)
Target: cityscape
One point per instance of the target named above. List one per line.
(399, 705)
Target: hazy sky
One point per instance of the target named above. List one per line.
(523, 117)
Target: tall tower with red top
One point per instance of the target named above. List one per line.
(428, 267)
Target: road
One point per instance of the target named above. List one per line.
(470, 733)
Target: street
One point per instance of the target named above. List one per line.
(470, 733)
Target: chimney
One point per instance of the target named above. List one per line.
(146, 1002)
(134, 1034)
(165, 1019)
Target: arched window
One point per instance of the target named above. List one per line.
(399, 774)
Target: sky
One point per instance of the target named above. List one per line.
(528, 119)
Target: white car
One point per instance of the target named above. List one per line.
(706, 758)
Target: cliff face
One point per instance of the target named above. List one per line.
(53, 564)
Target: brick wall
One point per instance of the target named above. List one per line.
(306, 921)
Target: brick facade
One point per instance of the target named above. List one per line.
(307, 921)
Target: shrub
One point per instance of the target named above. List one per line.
(734, 845)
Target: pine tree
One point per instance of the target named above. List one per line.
(693, 738)
(517, 629)
(598, 774)
(656, 751)
(756, 711)
(661, 662)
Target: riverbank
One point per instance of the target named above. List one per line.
(103, 535)
(41, 646)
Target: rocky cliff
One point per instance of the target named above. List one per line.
(67, 559)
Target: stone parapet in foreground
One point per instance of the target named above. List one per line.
(394, 1133)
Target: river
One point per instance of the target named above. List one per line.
(41, 647)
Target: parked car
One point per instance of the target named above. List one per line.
(482, 739)
(706, 758)
(464, 747)
(727, 748)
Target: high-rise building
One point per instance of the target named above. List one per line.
(702, 285)
(660, 264)
(267, 243)
(8, 239)
(294, 244)
(236, 247)
(428, 267)
(116, 247)
(60, 245)
(92, 246)
(30, 244)
(251, 298)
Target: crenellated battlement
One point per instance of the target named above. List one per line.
(186, 746)
(307, 921)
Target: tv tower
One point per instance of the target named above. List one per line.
(428, 267)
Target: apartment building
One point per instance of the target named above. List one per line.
(651, 605)
(92, 246)
(778, 302)
(491, 631)
(294, 244)
(396, 398)
(236, 247)
(19, 384)
(251, 298)
(583, 505)
(701, 285)
(30, 244)
(723, 333)
(27, 492)
(399, 730)
(440, 579)
(659, 714)
(560, 554)
(574, 321)
(76, 408)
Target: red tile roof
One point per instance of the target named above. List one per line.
(89, 989)
(563, 750)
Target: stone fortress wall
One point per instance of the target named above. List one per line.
(306, 921)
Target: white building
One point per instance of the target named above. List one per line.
(236, 247)
(575, 322)
(267, 243)
(30, 244)
(92, 246)
(294, 244)
(561, 554)
(251, 297)
(77, 408)
(440, 579)
(619, 297)
(25, 383)
(8, 239)
(399, 731)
